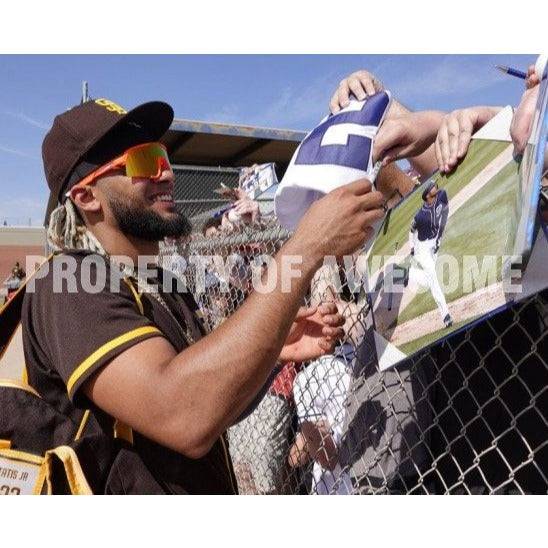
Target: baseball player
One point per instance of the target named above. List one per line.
(424, 238)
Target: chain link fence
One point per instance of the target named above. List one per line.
(470, 415)
(195, 185)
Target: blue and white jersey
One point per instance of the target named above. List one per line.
(336, 152)
(429, 221)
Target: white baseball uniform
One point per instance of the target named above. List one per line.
(426, 231)
(423, 273)
(320, 391)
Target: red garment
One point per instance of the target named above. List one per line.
(11, 293)
(282, 385)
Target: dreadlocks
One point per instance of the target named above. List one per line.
(67, 230)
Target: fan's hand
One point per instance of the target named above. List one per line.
(314, 333)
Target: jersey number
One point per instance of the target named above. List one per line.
(345, 139)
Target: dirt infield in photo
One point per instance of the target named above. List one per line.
(466, 308)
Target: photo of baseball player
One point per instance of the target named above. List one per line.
(424, 240)
(439, 260)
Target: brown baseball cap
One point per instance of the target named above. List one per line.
(93, 133)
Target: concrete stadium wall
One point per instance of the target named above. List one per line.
(16, 243)
(22, 236)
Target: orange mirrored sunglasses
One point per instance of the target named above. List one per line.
(148, 161)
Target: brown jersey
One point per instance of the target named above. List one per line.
(69, 333)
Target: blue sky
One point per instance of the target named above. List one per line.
(271, 90)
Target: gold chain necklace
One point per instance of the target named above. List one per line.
(143, 286)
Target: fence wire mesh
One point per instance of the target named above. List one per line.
(195, 185)
(467, 416)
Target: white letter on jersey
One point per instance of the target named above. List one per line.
(338, 134)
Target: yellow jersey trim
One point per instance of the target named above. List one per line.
(91, 360)
(83, 422)
(13, 383)
(21, 456)
(136, 296)
(73, 471)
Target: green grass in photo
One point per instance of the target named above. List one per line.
(485, 225)
(480, 154)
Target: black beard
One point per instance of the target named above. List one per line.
(148, 225)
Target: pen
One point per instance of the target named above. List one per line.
(374, 173)
(512, 71)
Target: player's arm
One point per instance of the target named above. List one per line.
(186, 401)
(443, 221)
(444, 214)
(412, 232)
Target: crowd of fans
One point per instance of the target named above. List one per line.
(298, 437)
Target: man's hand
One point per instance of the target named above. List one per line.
(240, 194)
(314, 442)
(313, 333)
(227, 226)
(532, 79)
(456, 132)
(340, 222)
(399, 136)
(360, 84)
(520, 129)
(247, 210)
(407, 136)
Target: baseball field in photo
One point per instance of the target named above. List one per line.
(484, 204)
